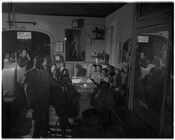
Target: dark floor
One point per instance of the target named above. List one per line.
(90, 128)
(123, 124)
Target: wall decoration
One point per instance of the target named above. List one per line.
(98, 33)
(75, 50)
(100, 56)
(59, 46)
(58, 58)
(78, 23)
(126, 52)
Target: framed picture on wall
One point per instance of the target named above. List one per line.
(75, 50)
(59, 46)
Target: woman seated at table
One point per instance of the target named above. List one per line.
(97, 78)
(92, 72)
(111, 74)
(65, 79)
(104, 75)
(71, 94)
(98, 75)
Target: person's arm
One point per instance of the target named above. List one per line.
(22, 62)
(29, 89)
(5, 60)
(95, 82)
(28, 57)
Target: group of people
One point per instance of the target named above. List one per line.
(21, 57)
(149, 84)
(109, 90)
(109, 75)
(45, 84)
(9, 58)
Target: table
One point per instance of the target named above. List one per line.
(85, 87)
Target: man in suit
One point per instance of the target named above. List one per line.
(144, 88)
(37, 89)
(157, 81)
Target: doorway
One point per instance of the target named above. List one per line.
(34, 42)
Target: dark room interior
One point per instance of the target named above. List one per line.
(87, 69)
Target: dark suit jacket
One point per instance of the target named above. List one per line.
(64, 97)
(22, 61)
(156, 91)
(37, 87)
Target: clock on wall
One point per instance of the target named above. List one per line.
(78, 23)
(74, 24)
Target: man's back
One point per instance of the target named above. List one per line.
(37, 85)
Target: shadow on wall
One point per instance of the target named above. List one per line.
(80, 71)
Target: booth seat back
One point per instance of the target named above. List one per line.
(9, 78)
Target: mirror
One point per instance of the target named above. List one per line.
(151, 58)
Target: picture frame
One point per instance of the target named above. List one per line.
(74, 45)
(59, 46)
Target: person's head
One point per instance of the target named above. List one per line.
(142, 55)
(7, 55)
(46, 61)
(117, 81)
(93, 68)
(104, 72)
(104, 87)
(99, 68)
(38, 61)
(118, 71)
(65, 72)
(111, 70)
(157, 61)
(24, 53)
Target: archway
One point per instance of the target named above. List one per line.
(37, 43)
